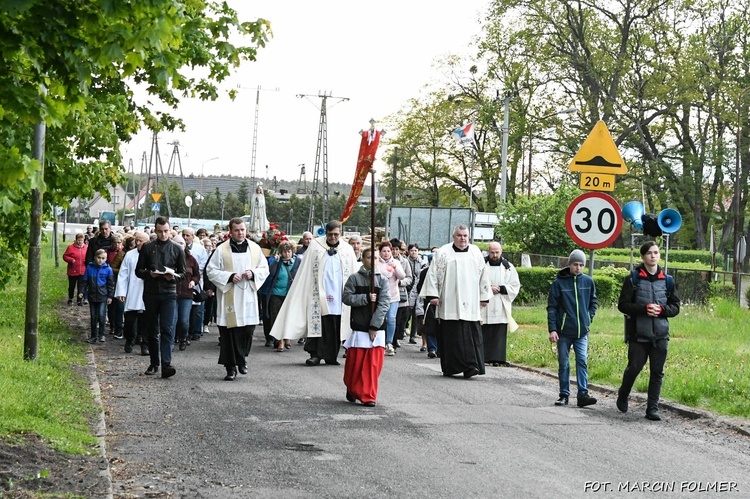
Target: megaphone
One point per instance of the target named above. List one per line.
(632, 212)
(669, 220)
(320, 231)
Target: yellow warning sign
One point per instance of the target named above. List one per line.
(156, 196)
(599, 154)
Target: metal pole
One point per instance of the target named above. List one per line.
(666, 251)
(504, 168)
(393, 180)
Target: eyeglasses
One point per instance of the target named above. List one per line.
(337, 234)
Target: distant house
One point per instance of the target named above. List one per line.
(85, 210)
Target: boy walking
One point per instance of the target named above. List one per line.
(571, 307)
(366, 345)
(99, 286)
(647, 299)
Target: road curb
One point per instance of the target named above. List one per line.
(100, 428)
(741, 427)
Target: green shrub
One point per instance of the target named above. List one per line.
(536, 281)
(721, 290)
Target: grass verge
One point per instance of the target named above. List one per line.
(45, 396)
(708, 365)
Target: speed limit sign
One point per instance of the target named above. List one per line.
(593, 220)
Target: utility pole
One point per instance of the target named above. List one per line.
(321, 155)
(508, 96)
(393, 179)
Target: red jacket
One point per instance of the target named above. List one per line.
(76, 259)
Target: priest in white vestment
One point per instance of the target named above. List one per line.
(498, 318)
(313, 308)
(238, 269)
(457, 285)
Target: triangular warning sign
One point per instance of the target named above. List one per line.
(156, 196)
(599, 154)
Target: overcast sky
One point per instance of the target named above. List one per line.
(376, 54)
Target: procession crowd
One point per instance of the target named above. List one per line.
(160, 288)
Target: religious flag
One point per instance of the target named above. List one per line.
(367, 149)
(465, 134)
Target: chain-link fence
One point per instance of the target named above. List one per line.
(693, 286)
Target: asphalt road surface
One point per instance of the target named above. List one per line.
(286, 430)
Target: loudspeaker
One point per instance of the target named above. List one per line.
(632, 212)
(320, 231)
(669, 220)
(650, 225)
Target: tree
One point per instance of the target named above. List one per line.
(76, 73)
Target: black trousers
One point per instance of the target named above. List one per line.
(74, 283)
(328, 345)
(638, 352)
(133, 325)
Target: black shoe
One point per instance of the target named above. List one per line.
(183, 344)
(300, 341)
(269, 343)
(128, 346)
(622, 403)
(195, 338)
(70, 302)
(332, 362)
(369, 403)
(563, 400)
(144, 349)
(231, 375)
(350, 397)
(585, 400)
(395, 344)
(118, 336)
(412, 341)
(92, 340)
(471, 373)
(313, 361)
(242, 369)
(152, 370)
(168, 371)
(652, 413)
(423, 349)
(431, 354)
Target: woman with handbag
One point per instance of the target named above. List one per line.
(185, 294)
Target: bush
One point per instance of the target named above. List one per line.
(536, 281)
(721, 290)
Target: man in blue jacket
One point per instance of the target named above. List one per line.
(571, 307)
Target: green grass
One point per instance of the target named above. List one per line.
(46, 396)
(708, 365)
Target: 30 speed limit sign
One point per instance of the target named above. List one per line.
(593, 220)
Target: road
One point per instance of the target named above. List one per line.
(286, 431)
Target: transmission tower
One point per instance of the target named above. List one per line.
(174, 162)
(321, 155)
(255, 129)
(302, 182)
(155, 168)
(129, 184)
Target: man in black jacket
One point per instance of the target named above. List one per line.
(102, 240)
(161, 263)
(648, 299)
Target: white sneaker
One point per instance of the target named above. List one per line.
(389, 351)
(205, 329)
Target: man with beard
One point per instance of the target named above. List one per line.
(458, 286)
(238, 269)
(313, 308)
(505, 287)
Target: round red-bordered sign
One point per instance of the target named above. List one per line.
(594, 220)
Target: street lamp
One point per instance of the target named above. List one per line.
(737, 260)
(531, 137)
(202, 165)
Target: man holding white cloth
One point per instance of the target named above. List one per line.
(238, 269)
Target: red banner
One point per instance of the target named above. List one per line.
(367, 149)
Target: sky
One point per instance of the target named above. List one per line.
(378, 55)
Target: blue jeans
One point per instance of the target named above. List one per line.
(390, 327)
(580, 348)
(197, 319)
(159, 319)
(184, 305)
(98, 312)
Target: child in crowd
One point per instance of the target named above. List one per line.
(99, 286)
